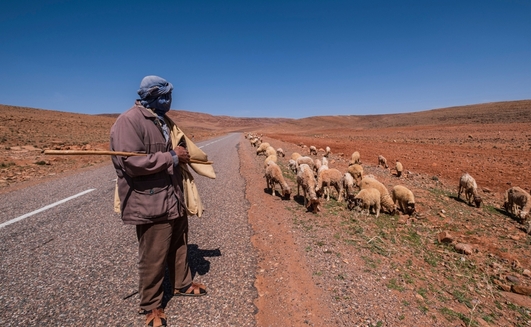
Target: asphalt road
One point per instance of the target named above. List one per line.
(73, 263)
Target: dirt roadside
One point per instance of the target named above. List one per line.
(340, 268)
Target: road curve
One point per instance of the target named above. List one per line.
(73, 263)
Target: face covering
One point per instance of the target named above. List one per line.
(155, 93)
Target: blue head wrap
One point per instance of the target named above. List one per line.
(155, 93)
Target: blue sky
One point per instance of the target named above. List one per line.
(266, 58)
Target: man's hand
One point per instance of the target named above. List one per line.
(182, 153)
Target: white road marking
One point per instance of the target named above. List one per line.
(14, 220)
(202, 146)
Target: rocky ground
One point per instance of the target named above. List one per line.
(401, 270)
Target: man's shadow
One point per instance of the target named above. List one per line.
(196, 258)
(198, 265)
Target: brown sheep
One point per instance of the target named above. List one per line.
(306, 180)
(274, 176)
(326, 179)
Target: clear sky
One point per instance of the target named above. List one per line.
(266, 58)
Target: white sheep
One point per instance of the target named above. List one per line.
(367, 199)
(356, 171)
(306, 180)
(405, 199)
(382, 161)
(385, 199)
(317, 164)
(305, 160)
(517, 202)
(262, 148)
(272, 158)
(323, 167)
(280, 153)
(327, 152)
(355, 158)
(292, 165)
(270, 151)
(328, 178)
(254, 141)
(468, 184)
(399, 168)
(295, 155)
(274, 176)
(348, 185)
(324, 161)
(313, 150)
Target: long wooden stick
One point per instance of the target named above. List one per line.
(112, 153)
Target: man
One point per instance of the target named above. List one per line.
(150, 190)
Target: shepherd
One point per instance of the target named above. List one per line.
(156, 193)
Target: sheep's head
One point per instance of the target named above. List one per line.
(353, 202)
(506, 205)
(314, 205)
(319, 192)
(286, 194)
(524, 216)
(477, 201)
(410, 208)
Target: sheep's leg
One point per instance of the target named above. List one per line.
(377, 210)
(339, 190)
(459, 190)
(469, 196)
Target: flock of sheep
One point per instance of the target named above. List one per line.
(317, 180)
(362, 192)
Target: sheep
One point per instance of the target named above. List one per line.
(305, 160)
(272, 158)
(254, 142)
(270, 151)
(262, 148)
(324, 161)
(323, 167)
(468, 184)
(367, 199)
(295, 155)
(328, 178)
(280, 153)
(399, 168)
(517, 202)
(317, 164)
(355, 158)
(357, 173)
(313, 150)
(327, 152)
(382, 161)
(405, 199)
(385, 199)
(292, 165)
(348, 185)
(306, 180)
(274, 176)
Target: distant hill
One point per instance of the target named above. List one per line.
(19, 125)
(487, 113)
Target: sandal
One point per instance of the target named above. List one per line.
(156, 318)
(196, 289)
